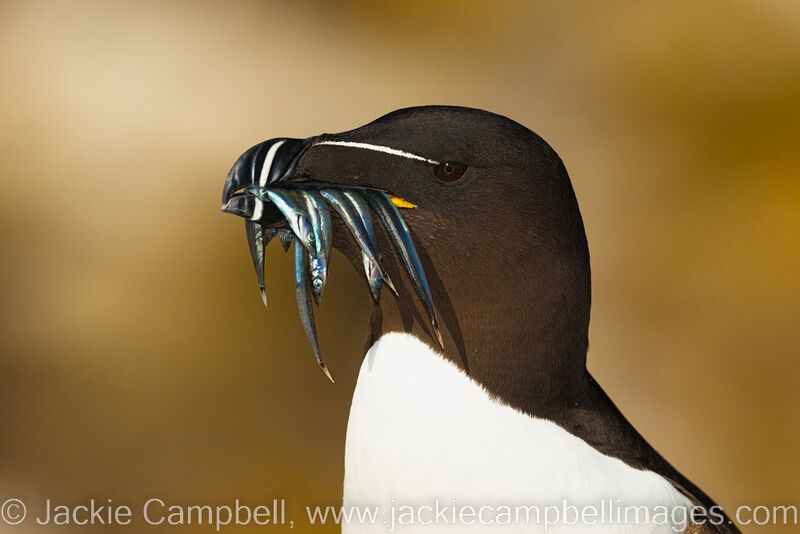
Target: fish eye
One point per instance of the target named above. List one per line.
(317, 283)
(449, 171)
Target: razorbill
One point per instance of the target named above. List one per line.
(474, 393)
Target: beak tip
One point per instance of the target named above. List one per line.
(242, 206)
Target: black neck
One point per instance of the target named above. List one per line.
(524, 338)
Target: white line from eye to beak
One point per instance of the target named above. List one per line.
(379, 148)
(262, 181)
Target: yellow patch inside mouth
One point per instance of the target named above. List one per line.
(400, 203)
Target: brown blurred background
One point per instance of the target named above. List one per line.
(137, 359)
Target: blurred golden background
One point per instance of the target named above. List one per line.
(136, 357)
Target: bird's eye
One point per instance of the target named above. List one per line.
(449, 171)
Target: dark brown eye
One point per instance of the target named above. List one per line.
(449, 171)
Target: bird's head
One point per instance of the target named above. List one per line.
(491, 216)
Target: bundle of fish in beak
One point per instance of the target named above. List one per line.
(297, 213)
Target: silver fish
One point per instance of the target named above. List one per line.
(374, 279)
(321, 223)
(258, 237)
(398, 232)
(303, 293)
(353, 222)
(293, 209)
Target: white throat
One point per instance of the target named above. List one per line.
(421, 431)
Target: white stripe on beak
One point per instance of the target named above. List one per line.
(262, 181)
(258, 210)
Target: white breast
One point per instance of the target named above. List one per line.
(420, 430)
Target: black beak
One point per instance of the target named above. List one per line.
(261, 165)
